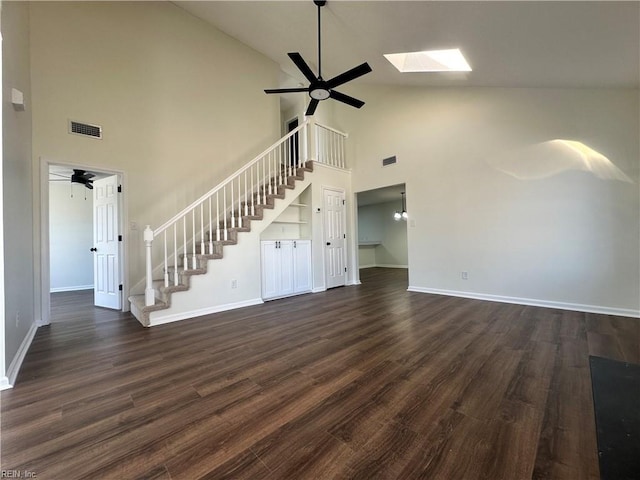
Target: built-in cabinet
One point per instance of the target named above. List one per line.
(286, 251)
(286, 268)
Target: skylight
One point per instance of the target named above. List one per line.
(450, 60)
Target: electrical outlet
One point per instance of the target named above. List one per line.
(234, 283)
(17, 318)
(464, 275)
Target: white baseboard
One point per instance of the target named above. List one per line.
(16, 363)
(71, 289)
(621, 312)
(318, 289)
(203, 311)
(384, 265)
(4, 383)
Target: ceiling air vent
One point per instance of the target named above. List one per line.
(389, 161)
(85, 129)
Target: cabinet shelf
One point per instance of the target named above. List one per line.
(369, 243)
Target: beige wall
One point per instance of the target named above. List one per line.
(181, 104)
(17, 189)
(487, 196)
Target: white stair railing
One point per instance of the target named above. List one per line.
(208, 220)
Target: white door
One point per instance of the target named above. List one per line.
(277, 268)
(106, 244)
(285, 252)
(302, 265)
(334, 238)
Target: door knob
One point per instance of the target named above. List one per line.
(328, 243)
(93, 249)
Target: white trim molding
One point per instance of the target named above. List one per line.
(4, 383)
(197, 313)
(77, 288)
(577, 307)
(16, 363)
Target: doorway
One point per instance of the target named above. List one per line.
(382, 220)
(82, 244)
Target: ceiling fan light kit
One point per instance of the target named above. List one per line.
(320, 89)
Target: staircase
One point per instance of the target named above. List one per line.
(189, 257)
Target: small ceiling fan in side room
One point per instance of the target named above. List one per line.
(320, 89)
(78, 176)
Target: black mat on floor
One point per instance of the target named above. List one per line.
(616, 398)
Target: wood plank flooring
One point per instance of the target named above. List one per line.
(362, 382)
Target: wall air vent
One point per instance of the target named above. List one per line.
(85, 129)
(389, 161)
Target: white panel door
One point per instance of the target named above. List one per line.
(302, 265)
(106, 245)
(334, 238)
(285, 251)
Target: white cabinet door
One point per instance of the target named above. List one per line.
(270, 270)
(285, 252)
(286, 267)
(302, 265)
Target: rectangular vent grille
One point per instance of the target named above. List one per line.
(389, 161)
(85, 129)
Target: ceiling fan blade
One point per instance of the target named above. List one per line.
(287, 90)
(341, 97)
(302, 66)
(349, 75)
(311, 109)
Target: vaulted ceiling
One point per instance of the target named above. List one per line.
(508, 44)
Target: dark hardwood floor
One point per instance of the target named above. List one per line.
(362, 382)
(78, 305)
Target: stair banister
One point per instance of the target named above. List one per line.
(266, 172)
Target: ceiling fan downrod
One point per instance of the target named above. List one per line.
(320, 4)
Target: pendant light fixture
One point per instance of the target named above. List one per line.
(403, 214)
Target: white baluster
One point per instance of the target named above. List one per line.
(202, 249)
(239, 203)
(253, 201)
(149, 293)
(185, 253)
(217, 216)
(193, 239)
(175, 253)
(166, 265)
(233, 218)
(246, 195)
(210, 229)
(224, 211)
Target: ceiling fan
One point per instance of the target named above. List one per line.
(78, 176)
(320, 89)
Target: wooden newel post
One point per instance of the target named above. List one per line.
(149, 293)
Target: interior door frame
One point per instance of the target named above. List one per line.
(45, 257)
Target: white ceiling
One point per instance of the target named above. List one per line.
(508, 44)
